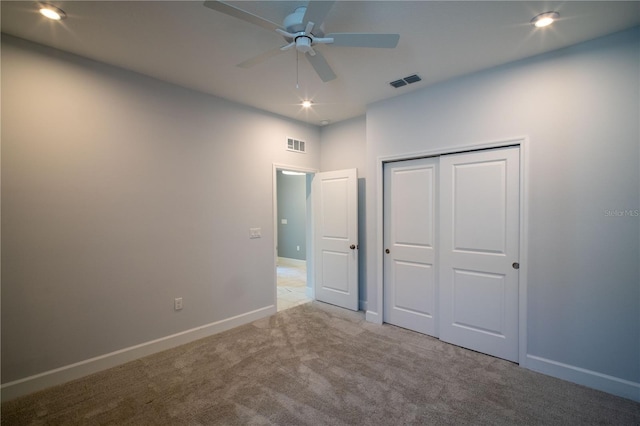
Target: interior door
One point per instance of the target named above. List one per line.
(410, 245)
(479, 249)
(335, 239)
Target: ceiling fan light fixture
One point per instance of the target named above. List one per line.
(544, 19)
(306, 104)
(303, 44)
(51, 12)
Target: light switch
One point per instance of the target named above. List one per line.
(255, 233)
(283, 221)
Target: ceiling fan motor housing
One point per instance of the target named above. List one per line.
(293, 23)
(299, 33)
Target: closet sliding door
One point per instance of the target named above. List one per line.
(479, 250)
(410, 244)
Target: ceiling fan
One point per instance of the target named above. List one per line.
(303, 29)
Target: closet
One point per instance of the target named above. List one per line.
(451, 242)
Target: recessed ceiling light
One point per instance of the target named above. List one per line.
(325, 122)
(51, 12)
(544, 19)
(306, 104)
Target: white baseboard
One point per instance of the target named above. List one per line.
(362, 305)
(581, 376)
(93, 365)
(373, 317)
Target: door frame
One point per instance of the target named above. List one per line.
(523, 142)
(309, 229)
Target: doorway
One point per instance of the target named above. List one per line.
(292, 242)
(331, 234)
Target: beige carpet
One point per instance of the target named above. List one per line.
(319, 365)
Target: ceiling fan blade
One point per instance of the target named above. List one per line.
(260, 58)
(321, 66)
(230, 10)
(364, 40)
(317, 11)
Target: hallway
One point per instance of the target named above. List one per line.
(292, 283)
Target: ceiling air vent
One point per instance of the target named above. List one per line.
(296, 145)
(414, 78)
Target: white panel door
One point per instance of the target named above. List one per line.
(335, 224)
(479, 243)
(410, 247)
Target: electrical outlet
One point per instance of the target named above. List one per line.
(177, 303)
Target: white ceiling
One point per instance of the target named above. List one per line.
(185, 43)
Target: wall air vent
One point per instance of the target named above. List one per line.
(414, 78)
(296, 145)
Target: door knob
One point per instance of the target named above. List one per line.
(352, 246)
(387, 251)
(515, 265)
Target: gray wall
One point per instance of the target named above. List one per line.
(344, 146)
(120, 193)
(579, 108)
(292, 206)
